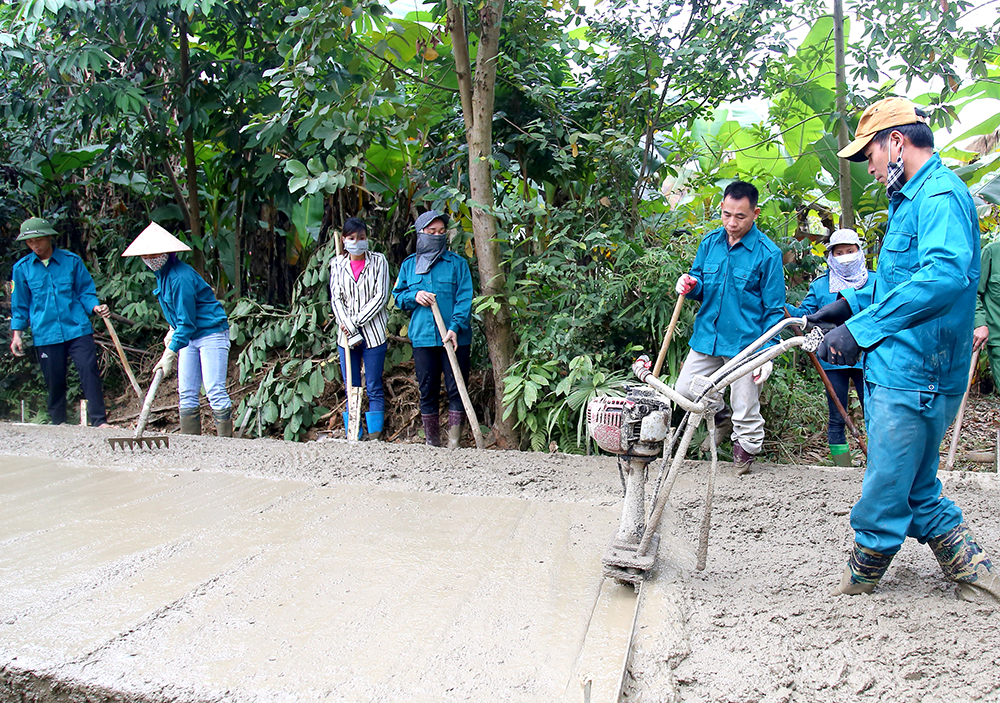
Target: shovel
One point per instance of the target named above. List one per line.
(138, 441)
(456, 371)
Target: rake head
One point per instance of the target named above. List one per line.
(134, 444)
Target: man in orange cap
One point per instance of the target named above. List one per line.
(915, 326)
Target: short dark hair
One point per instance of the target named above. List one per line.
(738, 190)
(919, 133)
(353, 225)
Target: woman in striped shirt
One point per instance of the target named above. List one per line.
(359, 289)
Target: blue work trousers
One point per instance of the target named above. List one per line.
(840, 379)
(374, 358)
(204, 361)
(901, 494)
(52, 358)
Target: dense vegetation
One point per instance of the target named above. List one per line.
(603, 134)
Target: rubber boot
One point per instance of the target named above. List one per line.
(375, 421)
(432, 430)
(841, 455)
(190, 420)
(742, 459)
(345, 426)
(864, 570)
(455, 420)
(963, 561)
(223, 422)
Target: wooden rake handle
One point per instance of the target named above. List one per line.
(668, 336)
(121, 355)
(456, 371)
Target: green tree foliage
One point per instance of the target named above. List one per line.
(254, 130)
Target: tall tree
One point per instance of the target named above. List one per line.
(477, 92)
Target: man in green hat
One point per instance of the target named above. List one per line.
(53, 293)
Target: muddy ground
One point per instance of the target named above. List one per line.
(757, 625)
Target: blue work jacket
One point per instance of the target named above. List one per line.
(819, 296)
(741, 289)
(451, 281)
(188, 304)
(917, 320)
(54, 300)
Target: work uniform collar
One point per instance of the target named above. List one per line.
(749, 240)
(54, 257)
(911, 187)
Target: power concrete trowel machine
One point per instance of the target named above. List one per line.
(638, 427)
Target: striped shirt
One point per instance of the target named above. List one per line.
(360, 305)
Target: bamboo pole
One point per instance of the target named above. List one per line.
(456, 371)
(961, 412)
(668, 336)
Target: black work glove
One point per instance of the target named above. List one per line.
(839, 347)
(829, 316)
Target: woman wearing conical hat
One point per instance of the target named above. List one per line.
(199, 330)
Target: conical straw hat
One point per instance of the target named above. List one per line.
(155, 240)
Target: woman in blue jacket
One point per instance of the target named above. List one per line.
(435, 274)
(847, 269)
(199, 330)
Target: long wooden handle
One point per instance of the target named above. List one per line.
(961, 412)
(121, 355)
(833, 395)
(668, 336)
(147, 404)
(456, 371)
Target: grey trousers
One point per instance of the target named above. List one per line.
(744, 399)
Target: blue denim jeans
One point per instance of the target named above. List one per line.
(374, 358)
(204, 361)
(901, 493)
(840, 380)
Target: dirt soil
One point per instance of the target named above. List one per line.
(757, 625)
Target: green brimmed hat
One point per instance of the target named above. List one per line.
(35, 227)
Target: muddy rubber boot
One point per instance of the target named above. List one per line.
(841, 455)
(432, 430)
(190, 420)
(223, 422)
(375, 421)
(963, 561)
(742, 459)
(864, 570)
(455, 420)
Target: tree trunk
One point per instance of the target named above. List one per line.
(191, 167)
(477, 94)
(846, 197)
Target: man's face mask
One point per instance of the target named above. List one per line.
(894, 172)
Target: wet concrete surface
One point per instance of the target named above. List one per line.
(181, 584)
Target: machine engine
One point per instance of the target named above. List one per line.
(635, 425)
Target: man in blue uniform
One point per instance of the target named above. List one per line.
(737, 275)
(53, 294)
(916, 329)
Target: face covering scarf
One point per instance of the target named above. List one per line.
(894, 172)
(847, 271)
(356, 248)
(430, 247)
(156, 263)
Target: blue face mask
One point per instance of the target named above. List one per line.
(356, 247)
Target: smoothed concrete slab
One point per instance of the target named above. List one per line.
(197, 585)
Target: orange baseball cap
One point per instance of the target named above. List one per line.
(890, 112)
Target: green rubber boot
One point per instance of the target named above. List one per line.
(963, 561)
(864, 570)
(223, 422)
(841, 455)
(190, 420)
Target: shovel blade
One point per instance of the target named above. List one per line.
(134, 444)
